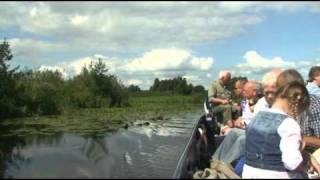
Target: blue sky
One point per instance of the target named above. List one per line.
(140, 41)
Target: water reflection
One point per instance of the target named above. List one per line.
(140, 152)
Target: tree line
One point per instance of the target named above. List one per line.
(26, 92)
(177, 85)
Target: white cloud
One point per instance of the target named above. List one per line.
(282, 6)
(35, 52)
(131, 28)
(30, 47)
(54, 68)
(194, 79)
(237, 6)
(33, 12)
(255, 61)
(78, 20)
(255, 65)
(102, 27)
(159, 59)
(158, 63)
(75, 67)
(136, 82)
(138, 25)
(202, 63)
(169, 59)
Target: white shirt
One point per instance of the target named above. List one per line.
(261, 105)
(290, 133)
(247, 114)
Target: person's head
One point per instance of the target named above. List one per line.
(251, 89)
(288, 76)
(295, 95)
(225, 77)
(269, 84)
(314, 75)
(239, 85)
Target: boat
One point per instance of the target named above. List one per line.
(202, 144)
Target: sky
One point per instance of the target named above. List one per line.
(140, 41)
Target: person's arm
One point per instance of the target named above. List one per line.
(290, 133)
(212, 94)
(292, 145)
(311, 128)
(312, 141)
(218, 100)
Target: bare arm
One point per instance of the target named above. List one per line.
(218, 100)
(212, 94)
(312, 141)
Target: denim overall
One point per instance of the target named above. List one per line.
(263, 142)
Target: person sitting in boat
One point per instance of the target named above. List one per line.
(311, 124)
(250, 92)
(233, 144)
(220, 96)
(311, 130)
(273, 139)
(310, 121)
(313, 85)
(288, 154)
(239, 99)
(269, 88)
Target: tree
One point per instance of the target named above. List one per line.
(198, 89)
(97, 88)
(134, 88)
(7, 83)
(155, 85)
(176, 85)
(5, 56)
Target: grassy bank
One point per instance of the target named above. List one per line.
(144, 107)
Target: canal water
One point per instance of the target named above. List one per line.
(141, 151)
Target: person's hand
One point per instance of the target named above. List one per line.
(239, 123)
(230, 123)
(224, 101)
(224, 130)
(314, 164)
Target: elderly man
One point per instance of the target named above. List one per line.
(313, 85)
(233, 145)
(238, 88)
(220, 96)
(269, 88)
(239, 85)
(311, 125)
(250, 92)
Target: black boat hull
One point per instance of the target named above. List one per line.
(199, 149)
